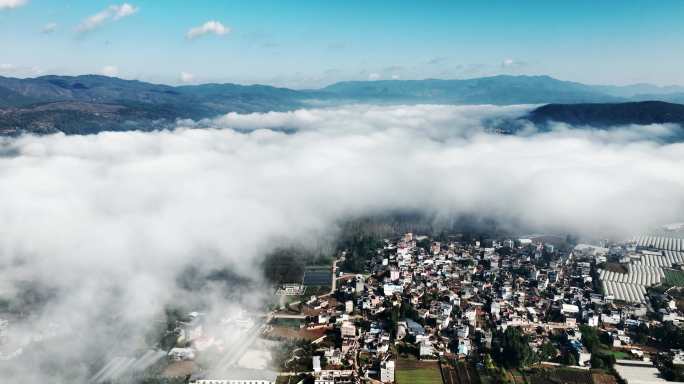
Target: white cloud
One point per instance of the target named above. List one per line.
(187, 77)
(111, 13)
(123, 10)
(374, 76)
(210, 27)
(110, 220)
(49, 28)
(110, 70)
(19, 70)
(12, 4)
(512, 63)
(395, 77)
(6, 67)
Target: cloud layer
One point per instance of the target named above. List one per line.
(115, 217)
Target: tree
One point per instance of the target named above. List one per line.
(596, 361)
(512, 349)
(488, 363)
(641, 333)
(602, 360)
(570, 359)
(360, 248)
(547, 352)
(590, 338)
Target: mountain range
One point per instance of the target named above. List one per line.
(91, 103)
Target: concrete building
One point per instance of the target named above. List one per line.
(348, 329)
(387, 371)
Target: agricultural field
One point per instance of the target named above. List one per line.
(460, 374)
(289, 323)
(418, 372)
(316, 290)
(674, 277)
(563, 375)
(603, 378)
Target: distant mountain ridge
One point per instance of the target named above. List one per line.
(499, 90)
(34, 105)
(93, 103)
(609, 114)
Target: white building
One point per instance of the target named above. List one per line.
(387, 371)
(316, 363)
(426, 348)
(593, 321)
(349, 306)
(348, 329)
(569, 309)
(394, 274)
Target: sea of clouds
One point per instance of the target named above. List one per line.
(108, 221)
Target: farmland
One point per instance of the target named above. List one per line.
(418, 372)
(460, 374)
(674, 277)
(573, 376)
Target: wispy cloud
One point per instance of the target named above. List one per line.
(49, 28)
(210, 27)
(437, 60)
(111, 13)
(12, 4)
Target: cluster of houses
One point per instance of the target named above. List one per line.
(452, 298)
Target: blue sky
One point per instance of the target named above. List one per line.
(313, 43)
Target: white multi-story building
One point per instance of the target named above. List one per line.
(387, 371)
(349, 306)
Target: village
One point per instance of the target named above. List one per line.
(514, 310)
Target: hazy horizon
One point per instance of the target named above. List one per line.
(261, 42)
(676, 87)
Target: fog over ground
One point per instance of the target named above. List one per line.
(108, 221)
